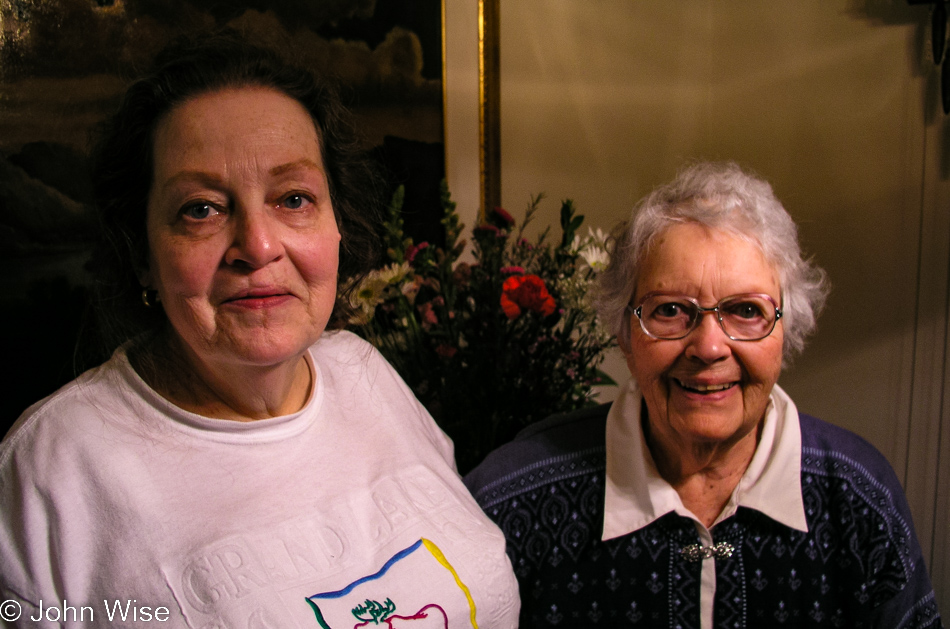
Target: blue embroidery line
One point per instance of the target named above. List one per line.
(389, 564)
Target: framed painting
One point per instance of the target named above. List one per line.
(63, 67)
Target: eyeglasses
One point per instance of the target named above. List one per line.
(749, 317)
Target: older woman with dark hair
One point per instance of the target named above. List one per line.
(236, 463)
(702, 497)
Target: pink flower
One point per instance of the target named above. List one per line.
(487, 228)
(512, 270)
(501, 218)
(526, 292)
(429, 317)
(414, 250)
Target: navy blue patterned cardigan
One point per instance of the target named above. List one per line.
(859, 565)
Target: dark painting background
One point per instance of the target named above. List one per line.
(65, 63)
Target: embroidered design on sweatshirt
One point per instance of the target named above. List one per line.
(412, 590)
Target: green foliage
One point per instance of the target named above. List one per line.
(496, 344)
(374, 611)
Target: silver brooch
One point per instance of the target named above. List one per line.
(697, 552)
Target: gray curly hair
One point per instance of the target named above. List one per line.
(725, 197)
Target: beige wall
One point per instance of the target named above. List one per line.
(834, 102)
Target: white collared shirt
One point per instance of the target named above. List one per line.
(636, 494)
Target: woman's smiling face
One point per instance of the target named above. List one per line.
(243, 242)
(705, 388)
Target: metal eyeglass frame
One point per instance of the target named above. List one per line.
(703, 311)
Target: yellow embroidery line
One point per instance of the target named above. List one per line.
(445, 562)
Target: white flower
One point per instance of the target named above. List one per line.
(394, 273)
(598, 237)
(577, 245)
(372, 289)
(594, 251)
(596, 258)
(409, 290)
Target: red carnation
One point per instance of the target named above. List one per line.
(526, 292)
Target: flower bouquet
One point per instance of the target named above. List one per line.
(492, 345)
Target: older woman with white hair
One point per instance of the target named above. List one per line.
(702, 497)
